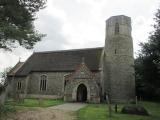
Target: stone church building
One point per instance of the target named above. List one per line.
(81, 75)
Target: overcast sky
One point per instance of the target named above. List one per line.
(71, 24)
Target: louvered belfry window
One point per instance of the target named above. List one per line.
(43, 83)
(117, 28)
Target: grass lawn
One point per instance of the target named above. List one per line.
(100, 112)
(28, 104)
(35, 103)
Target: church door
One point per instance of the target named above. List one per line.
(81, 93)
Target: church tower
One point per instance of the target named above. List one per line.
(118, 62)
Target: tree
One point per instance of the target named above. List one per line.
(147, 65)
(16, 23)
(3, 85)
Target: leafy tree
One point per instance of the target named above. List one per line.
(147, 65)
(3, 85)
(16, 23)
(3, 75)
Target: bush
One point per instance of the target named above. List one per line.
(2, 88)
(6, 109)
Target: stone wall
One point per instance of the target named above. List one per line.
(55, 83)
(31, 85)
(83, 76)
(118, 62)
(15, 81)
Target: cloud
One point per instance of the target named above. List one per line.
(51, 26)
(9, 59)
(49, 22)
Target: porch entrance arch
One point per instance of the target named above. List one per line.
(81, 93)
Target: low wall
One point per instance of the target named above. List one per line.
(43, 96)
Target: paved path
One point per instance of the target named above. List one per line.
(70, 106)
(60, 112)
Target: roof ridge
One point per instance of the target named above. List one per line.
(69, 50)
(15, 68)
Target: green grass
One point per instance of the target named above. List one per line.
(35, 103)
(29, 104)
(100, 112)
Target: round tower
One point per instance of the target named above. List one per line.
(118, 63)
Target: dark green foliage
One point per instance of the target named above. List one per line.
(147, 65)
(2, 88)
(6, 109)
(3, 77)
(16, 23)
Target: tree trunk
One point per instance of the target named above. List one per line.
(3, 95)
(3, 98)
(109, 105)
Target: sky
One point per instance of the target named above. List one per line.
(73, 24)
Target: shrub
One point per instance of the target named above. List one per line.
(6, 109)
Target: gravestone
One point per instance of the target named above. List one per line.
(134, 109)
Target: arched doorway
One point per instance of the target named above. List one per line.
(81, 93)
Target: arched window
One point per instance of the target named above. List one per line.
(43, 83)
(116, 28)
(19, 85)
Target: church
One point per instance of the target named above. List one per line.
(81, 75)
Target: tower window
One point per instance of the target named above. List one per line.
(43, 83)
(115, 51)
(19, 86)
(116, 28)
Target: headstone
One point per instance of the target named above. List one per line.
(116, 108)
(137, 110)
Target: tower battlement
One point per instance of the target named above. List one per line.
(121, 19)
(120, 23)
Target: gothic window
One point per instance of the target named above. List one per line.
(43, 83)
(19, 85)
(116, 28)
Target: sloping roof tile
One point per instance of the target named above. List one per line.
(15, 68)
(64, 60)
